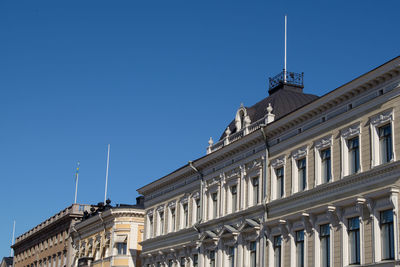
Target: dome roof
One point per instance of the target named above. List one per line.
(283, 101)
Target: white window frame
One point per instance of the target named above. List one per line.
(275, 231)
(298, 226)
(160, 231)
(184, 201)
(320, 145)
(150, 231)
(388, 202)
(317, 241)
(275, 165)
(195, 197)
(352, 212)
(377, 121)
(296, 156)
(172, 224)
(346, 135)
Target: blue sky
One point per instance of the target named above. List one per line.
(155, 79)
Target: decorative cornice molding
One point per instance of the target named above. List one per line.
(278, 162)
(350, 131)
(300, 153)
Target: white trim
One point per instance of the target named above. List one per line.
(377, 121)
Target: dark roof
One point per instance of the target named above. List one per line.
(8, 260)
(283, 101)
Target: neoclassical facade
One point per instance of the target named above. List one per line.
(295, 180)
(109, 236)
(48, 244)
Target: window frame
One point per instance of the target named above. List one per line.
(346, 135)
(376, 122)
(319, 146)
(276, 164)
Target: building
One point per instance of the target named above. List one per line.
(295, 180)
(48, 244)
(7, 262)
(109, 236)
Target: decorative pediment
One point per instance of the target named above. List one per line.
(253, 165)
(299, 153)
(213, 181)
(278, 162)
(228, 230)
(208, 239)
(323, 143)
(150, 212)
(350, 131)
(172, 204)
(160, 208)
(382, 118)
(249, 225)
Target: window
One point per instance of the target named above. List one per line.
(161, 215)
(279, 182)
(173, 219)
(324, 236)
(255, 190)
(214, 197)
(121, 248)
(354, 155)
(300, 248)
(234, 197)
(387, 236)
(231, 257)
(354, 240)
(182, 263)
(385, 143)
(253, 254)
(198, 209)
(185, 215)
(277, 251)
(158, 264)
(195, 260)
(301, 174)
(326, 165)
(170, 263)
(212, 258)
(150, 226)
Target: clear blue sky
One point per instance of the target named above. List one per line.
(155, 79)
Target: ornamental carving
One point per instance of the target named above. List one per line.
(299, 153)
(276, 163)
(196, 195)
(323, 143)
(213, 181)
(172, 204)
(351, 131)
(255, 164)
(185, 199)
(232, 174)
(160, 208)
(382, 118)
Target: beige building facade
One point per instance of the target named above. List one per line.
(48, 244)
(109, 236)
(295, 180)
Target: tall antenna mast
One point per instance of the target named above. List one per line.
(284, 64)
(76, 181)
(108, 163)
(12, 240)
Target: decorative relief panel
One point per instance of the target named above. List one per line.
(350, 131)
(279, 162)
(300, 153)
(323, 143)
(196, 195)
(382, 118)
(253, 165)
(172, 204)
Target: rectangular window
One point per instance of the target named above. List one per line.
(324, 236)
(195, 260)
(354, 240)
(182, 262)
(231, 257)
(121, 248)
(300, 248)
(214, 204)
(302, 174)
(279, 182)
(326, 165)
(170, 263)
(158, 264)
(198, 209)
(387, 236)
(354, 155)
(385, 143)
(151, 226)
(234, 197)
(255, 190)
(185, 215)
(161, 214)
(253, 254)
(173, 217)
(212, 258)
(277, 251)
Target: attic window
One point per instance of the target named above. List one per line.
(241, 116)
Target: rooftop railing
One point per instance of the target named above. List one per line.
(292, 78)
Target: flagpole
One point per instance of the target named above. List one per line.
(76, 182)
(108, 163)
(12, 240)
(284, 63)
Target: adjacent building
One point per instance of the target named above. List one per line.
(49, 244)
(109, 236)
(295, 180)
(7, 262)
